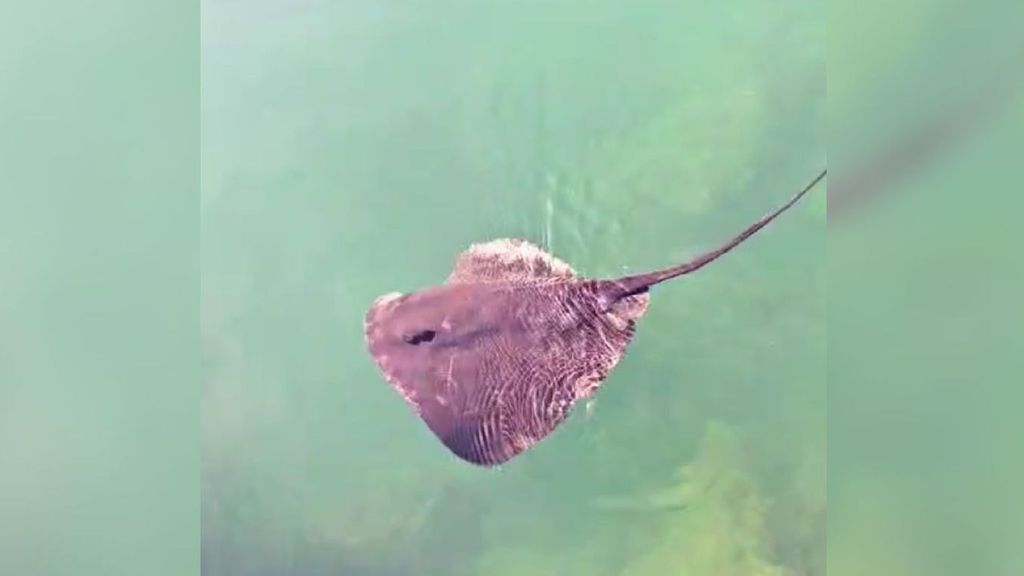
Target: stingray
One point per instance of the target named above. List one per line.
(494, 359)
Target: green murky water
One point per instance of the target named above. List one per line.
(352, 149)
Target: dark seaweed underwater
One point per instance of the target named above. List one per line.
(351, 149)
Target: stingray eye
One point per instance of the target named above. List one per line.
(417, 338)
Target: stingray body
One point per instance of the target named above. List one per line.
(494, 359)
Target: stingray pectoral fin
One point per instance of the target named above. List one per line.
(467, 442)
(475, 439)
(508, 260)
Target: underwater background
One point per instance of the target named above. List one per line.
(351, 149)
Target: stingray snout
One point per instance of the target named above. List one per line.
(378, 312)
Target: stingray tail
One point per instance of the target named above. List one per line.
(616, 290)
